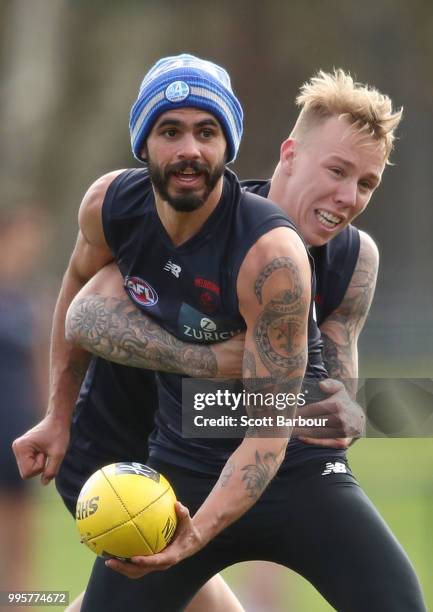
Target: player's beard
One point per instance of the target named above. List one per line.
(191, 199)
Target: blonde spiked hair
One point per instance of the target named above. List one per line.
(337, 94)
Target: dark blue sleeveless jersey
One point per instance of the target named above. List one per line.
(190, 290)
(114, 413)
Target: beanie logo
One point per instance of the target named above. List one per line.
(177, 91)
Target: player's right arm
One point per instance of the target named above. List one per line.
(42, 448)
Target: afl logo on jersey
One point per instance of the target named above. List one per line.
(140, 291)
(177, 91)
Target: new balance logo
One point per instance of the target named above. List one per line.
(173, 268)
(336, 468)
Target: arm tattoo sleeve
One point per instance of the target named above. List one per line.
(280, 344)
(279, 326)
(337, 356)
(249, 365)
(115, 330)
(341, 329)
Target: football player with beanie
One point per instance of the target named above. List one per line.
(173, 82)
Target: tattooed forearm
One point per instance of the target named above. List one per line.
(337, 357)
(227, 473)
(257, 475)
(340, 362)
(114, 329)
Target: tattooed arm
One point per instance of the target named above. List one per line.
(42, 448)
(340, 333)
(341, 329)
(103, 320)
(274, 296)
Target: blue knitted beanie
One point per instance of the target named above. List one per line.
(186, 81)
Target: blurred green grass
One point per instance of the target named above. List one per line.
(396, 474)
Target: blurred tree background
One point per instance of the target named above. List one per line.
(70, 70)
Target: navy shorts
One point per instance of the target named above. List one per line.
(314, 519)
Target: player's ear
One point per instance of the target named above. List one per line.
(287, 151)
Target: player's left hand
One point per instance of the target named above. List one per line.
(345, 418)
(186, 542)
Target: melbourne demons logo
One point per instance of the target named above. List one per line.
(140, 291)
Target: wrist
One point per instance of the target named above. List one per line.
(207, 526)
(57, 415)
(202, 366)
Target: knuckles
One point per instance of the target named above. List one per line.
(349, 415)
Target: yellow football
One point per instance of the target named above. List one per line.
(126, 509)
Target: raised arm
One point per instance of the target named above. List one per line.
(103, 320)
(274, 297)
(41, 449)
(340, 333)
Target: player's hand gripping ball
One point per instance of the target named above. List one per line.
(126, 509)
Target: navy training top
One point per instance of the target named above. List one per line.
(190, 290)
(115, 410)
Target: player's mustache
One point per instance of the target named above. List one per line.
(192, 164)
